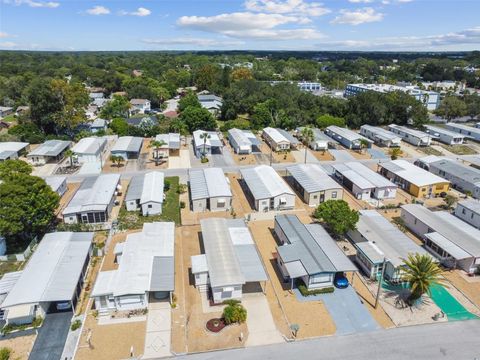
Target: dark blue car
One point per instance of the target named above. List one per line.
(340, 281)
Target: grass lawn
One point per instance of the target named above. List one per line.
(130, 220)
(9, 266)
(9, 118)
(430, 151)
(460, 149)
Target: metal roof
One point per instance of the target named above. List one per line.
(163, 274)
(208, 183)
(409, 131)
(381, 133)
(55, 182)
(172, 140)
(276, 135)
(90, 145)
(455, 126)
(346, 133)
(240, 138)
(467, 173)
(8, 146)
(153, 185)
(312, 246)
(390, 241)
(264, 182)
(128, 144)
(318, 134)
(450, 227)
(98, 123)
(411, 173)
(53, 271)
(50, 148)
(213, 140)
(288, 136)
(8, 281)
(353, 176)
(135, 188)
(232, 257)
(94, 194)
(470, 204)
(199, 264)
(312, 177)
(371, 251)
(454, 250)
(368, 174)
(435, 131)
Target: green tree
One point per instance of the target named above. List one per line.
(117, 159)
(449, 201)
(307, 138)
(421, 273)
(117, 108)
(157, 145)
(206, 76)
(242, 74)
(452, 107)
(205, 136)
(234, 312)
(27, 208)
(43, 103)
(73, 99)
(119, 126)
(10, 168)
(323, 121)
(337, 215)
(198, 118)
(395, 153)
(189, 100)
(69, 154)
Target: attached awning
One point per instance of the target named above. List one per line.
(295, 269)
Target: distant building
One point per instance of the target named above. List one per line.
(57, 184)
(98, 125)
(411, 136)
(140, 106)
(429, 99)
(12, 150)
(312, 87)
(5, 111)
(348, 138)
(469, 131)
(51, 151)
(209, 190)
(142, 121)
(469, 211)
(128, 147)
(145, 193)
(211, 102)
(445, 136)
(380, 136)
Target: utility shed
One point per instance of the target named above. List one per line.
(452, 241)
(348, 138)
(377, 239)
(57, 184)
(266, 189)
(380, 136)
(52, 279)
(49, 152)
(12, 150)
(308, 253)
(313, 184)
(469, 211)
(231, 259)
(93, 201)
(145, 193)
(444, 135)
(128, 147)
(209, 190)
(243, 141)
(146, 267)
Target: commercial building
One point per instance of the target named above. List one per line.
(463, 178)
(449, 239)
(206, 143)
(146, 270)
(48, 152)
(90, 149)
(93, 201)
(320, 142)
(243, 141)
(412, 179)
(171, 147)
(128, 147)
(57, 184)
(378, 243)
(313, 184)
(411, 136)
(279, 139)
(445, 136)
(469, 211)
(429, 99)
(209, 190)
(266, 189)
(307, 253)
(348, 138)
(145, 193)
(363, 182)
(380, 136)
(469, 131)
(52, 279)
(312, 87)
(231, 263)
(12, 150)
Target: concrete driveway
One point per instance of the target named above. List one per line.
(299, 156)
(261, 327)
(51, 337)
(180, 162)
(159, 330)
(341, 155)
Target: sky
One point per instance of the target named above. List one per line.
(354, 25)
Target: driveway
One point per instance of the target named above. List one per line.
(51, 337)
(341, 155)
(261, 327)
(159, 330)
(224, 159)
(180, 162)
(299, 156)
(348, 313)
(377, 154)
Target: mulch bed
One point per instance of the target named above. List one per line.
(216, 325)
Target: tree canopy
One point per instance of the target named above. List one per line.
(337, 215)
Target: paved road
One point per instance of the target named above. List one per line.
(51, 337)
(442, 341)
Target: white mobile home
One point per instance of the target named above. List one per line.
(231, 260)
(348, 138)
(377, 240)
(90, 149)
(411, 136)
(243, 141)
(93, 201)
(172, 144)
(12, 150)
(451, 240)
(279, 139)
(52, 279)
(206, 143)
(321, 142)
(266, 189)
(469, 131)
(128, 147)
(445, 136)
(48, 152)
(209, 190)
(57, 184)
(380, 136)
(308, 253)
(313, 184)
(146, 268)
(469, 211)
(145, 193)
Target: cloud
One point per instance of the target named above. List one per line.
(358, 16)
(141, 11)
(298, 7)
(98, 10)
(4, 35)
(33, 3)
(190, 41)
(8, 45)
(361, 1)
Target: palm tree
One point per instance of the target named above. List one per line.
(307, 137)
(395, 153)
(69, 153)
(205, 136)
(116, 159)
(157, 144)
(421, 273)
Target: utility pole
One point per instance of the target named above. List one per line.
(380, 283)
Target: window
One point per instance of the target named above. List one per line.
(315, 196)
(150, 206)
(463, 211)
(334, 195)
(415, 221)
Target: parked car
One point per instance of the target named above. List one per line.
(340, 281)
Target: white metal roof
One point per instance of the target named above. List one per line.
(94, 194)
(213, 140)
(409, 131)
(53, 271)
(240, 138)
(12, 146)
(312, 177)
(353, 176)
(463, 127)
(199, 264)
(275, 135)
(371, 176)
(454, 250)
(8, 281)
(171, 140)
(264, 182)
(55, 182)
(50, 148)
(470, 204)
(128, 144)
(208, 183)
(381, 133)
(346, 133)
(153, 185)
(411, 173)
(90, 145)
(436, 131)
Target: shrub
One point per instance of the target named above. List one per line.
(234, 312)
(182, 204)
(5, 353)
(305, 292)
(75, 325)
(204, 160)
(166, 185)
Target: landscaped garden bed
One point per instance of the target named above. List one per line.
(216, 325)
